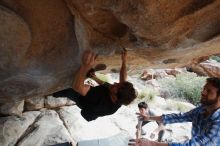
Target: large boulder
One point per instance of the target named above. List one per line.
(207, 68)
(39, 50)
(42, 40)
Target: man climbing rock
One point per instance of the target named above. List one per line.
(104, 99)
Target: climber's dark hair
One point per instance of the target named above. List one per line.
(215, 82)
(126, 93)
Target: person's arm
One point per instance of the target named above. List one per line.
(171, 118)
(123, 70)
(88, 60)
(155, 118)
(150, 118)
(210, 137)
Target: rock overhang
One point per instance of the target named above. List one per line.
(42, 40)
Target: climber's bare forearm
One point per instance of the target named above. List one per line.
(78, 83)
(123, 72)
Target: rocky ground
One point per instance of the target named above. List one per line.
(52, 126)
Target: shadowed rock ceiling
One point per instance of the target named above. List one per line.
(41, 40)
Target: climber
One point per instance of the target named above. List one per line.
(104, 99)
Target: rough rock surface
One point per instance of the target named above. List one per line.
(207, 68)
(13, 128)
(42, 40)
(49, 127)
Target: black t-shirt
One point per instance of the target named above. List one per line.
(97, 103)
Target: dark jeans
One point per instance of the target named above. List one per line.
(63, 144)
(143, 123)
(160, 135)
(70, 93)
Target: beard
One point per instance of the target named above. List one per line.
(208, 102)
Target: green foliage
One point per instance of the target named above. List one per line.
(148, 94)
(103, 77)
(217, 58)
(142, 94)
(186, 86)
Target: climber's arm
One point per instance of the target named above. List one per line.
(88, 60)
(123, 70)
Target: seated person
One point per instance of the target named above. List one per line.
(101, 100)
